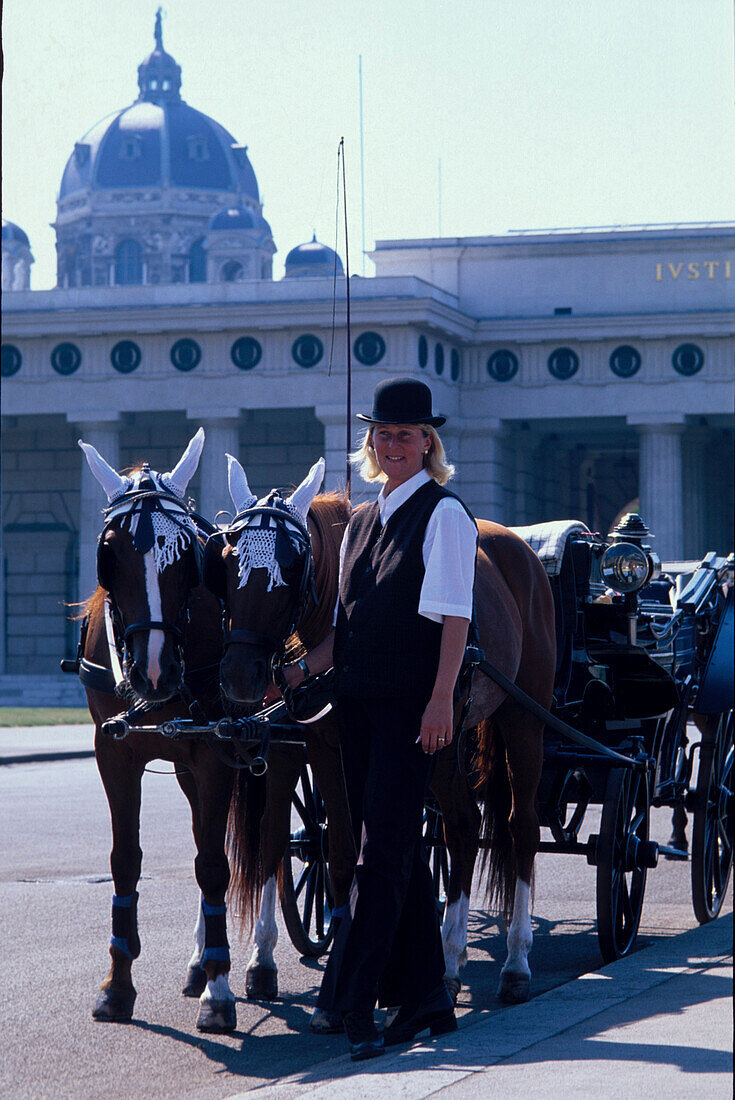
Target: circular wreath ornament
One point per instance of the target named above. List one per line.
(563, 363)
(11, 360)
(439, 358)
(125, 356)
(66, 358)
(186, 354)
(423, 351)
(307, 350)
(369, 348)
(625, 361)
(246, 353)
(502, 365)
(454, 365)
(688, 359)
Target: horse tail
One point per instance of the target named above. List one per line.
(498, 860)
(247, 876)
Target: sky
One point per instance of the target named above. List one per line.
(543, 113)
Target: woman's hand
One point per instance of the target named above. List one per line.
(437, 723)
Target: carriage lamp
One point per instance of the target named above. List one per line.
(625, 567)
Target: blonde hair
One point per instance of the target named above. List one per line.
(365, 460)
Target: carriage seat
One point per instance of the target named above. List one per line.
(549, 540)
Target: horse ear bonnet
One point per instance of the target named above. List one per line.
(213, 571)
(285, 549)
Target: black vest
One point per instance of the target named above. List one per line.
(382, 646)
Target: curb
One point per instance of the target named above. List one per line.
(46, 757)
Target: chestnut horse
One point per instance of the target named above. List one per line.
(275, 561)
(153, 637)
(515, 618)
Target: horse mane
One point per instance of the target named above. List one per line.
(329, 515)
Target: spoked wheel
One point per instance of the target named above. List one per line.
(712, 830)
(623, 856)
(436, 850)
(306, 891)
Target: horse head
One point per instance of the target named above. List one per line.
(148, 562)
(261, 568)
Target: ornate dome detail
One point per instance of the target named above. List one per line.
(16, 258)
(312, 259)
(159, 77)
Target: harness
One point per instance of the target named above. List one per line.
(292, 541)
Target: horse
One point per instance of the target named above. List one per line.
(515, 620)
(269, 548)
(152, 635)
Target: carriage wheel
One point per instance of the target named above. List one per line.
(624, 853)
(712, 828)
(306, 891)
(436, 851)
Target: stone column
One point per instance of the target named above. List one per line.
(480, 468)
(335, 444)
(222, 431)
(660, 483)
(694, 477)
(104, 434)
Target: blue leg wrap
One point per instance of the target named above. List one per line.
(125, 925)
(216, 948)
(339, 911)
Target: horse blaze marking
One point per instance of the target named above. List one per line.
(155, 637)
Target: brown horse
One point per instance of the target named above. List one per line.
(515, 616)
(274, 563)
(152, 627)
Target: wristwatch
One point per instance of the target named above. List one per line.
(304, 668)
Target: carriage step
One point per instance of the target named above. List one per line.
(669, 852)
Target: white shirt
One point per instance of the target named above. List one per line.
(450, 544)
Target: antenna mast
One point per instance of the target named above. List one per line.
(348, 482)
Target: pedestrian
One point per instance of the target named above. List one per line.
(407, 568)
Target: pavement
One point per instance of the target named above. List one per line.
(659, 1021)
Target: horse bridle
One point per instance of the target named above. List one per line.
(149, 497)
(297, 532)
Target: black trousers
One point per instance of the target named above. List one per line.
(388, 946)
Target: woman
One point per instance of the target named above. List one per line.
(405, 604)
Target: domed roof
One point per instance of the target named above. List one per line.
(13, 234)
(312, 259)
(159, 141)
(238, 217)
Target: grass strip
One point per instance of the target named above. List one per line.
(44, 716)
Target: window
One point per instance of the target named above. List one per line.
(128, 264)
(125, 356)
(502, 365)
(369, 348)
(307, 350)
(11, 361)
(455, 365)
(197, 147)
(246, 352)
(563, 363)
(66, 358)
(423, 351)
(439, 358)
(232, 272)
(186, 354)
(688, 359)
(625, 361)
(197, 262)
(131, 148)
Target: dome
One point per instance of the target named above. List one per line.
(13, 234)
(312, 259)
(159, 141)
(238, 217)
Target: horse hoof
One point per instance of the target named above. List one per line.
(261, 983)
(115, 1005)
(514, 989)
(217, 1016)
(326, 1023)
(453, 987)
(196, 982)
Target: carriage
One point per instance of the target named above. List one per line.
(638, 654)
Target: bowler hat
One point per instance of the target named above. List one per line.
(402, 401)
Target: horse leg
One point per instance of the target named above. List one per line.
(261, 975)
(524, 750)
(121, 778)
(196, 976)
(213, 780)
(462, 818)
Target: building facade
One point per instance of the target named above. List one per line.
(583, 372)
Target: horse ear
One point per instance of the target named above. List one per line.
(213, 567)
(241, 493)
(110, 480)
(301, 499)
(185, 468)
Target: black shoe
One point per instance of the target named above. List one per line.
(364, 1038)
(435, 1012)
